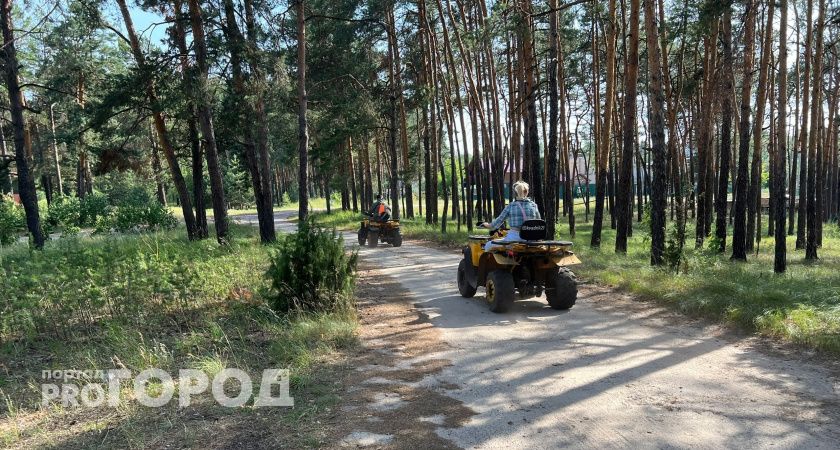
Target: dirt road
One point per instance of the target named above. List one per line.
(610, 372)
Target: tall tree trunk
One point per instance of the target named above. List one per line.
(625, 182)
(780, 254)
(303, 132)
(160, 127)
(803, 143)
(56, 159)
(249, 114)
(553, 119)
(26, 183)
(196, 153)
(705, 139)
(266, 213)
(393, 179)
(657, 128)
(160, 189)
(6, 160)
(603, 149)
(725, 90)
(815, 188)
(739, 232)
(406, 167)
(532, 139)
(754, 194)
(205, 114)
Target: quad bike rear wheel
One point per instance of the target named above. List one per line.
(464, 287)
(363, 232)
(561, 289)
(373, 238)
(397, 240)
(500, 290)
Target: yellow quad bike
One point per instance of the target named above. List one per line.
(372, 231)
(528, 266)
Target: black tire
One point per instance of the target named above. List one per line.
(397, 240)
(464, 287)
(363, 232)
(500, 290)
(373, 238)
(561, 289)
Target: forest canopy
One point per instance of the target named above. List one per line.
(709, 119)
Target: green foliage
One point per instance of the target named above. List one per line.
(673, 254)
(12, 220)
(151, 300)
(133, 218)
(75, 285)
(238, 191)
(92, 207)
(64, 211)
(311, 271)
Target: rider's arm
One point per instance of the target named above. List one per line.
(537, 211)
(498, 221)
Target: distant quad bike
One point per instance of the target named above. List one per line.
(372, 231)
(528, 266)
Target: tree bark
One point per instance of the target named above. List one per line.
(754, 194)
(160, 127)
(780, 254)
(603, 149)
(803, 143)
(303, 132)
(725, 91)
(625, 181)
(657, 128)
(205, 114)
(814, 141)
(26, 183)
(739, 232)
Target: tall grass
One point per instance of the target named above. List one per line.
(152, 300)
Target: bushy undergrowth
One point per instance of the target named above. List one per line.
(145, 301)
(75, 285)
(12, 220)
(123, 213)
(311, 270)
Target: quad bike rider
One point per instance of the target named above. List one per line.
(518, 259)
(379, 226)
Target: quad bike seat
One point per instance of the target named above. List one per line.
(535, 243)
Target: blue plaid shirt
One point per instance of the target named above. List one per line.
(517, 212)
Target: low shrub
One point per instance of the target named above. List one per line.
(91, 208)
(12, 220)
(311, 271)
(134, 218)
(65, 212)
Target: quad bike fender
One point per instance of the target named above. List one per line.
(470, 272)
(503, 260)
(567, 258)
(490, 261)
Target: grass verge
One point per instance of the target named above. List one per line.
(155, 300)
(801, 306)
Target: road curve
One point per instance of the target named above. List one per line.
(610, 372)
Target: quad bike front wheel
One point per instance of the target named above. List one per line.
(464, 287)
(500, 290)
(372, 238)
(561, 289)
(397, 240)
(363, 232)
